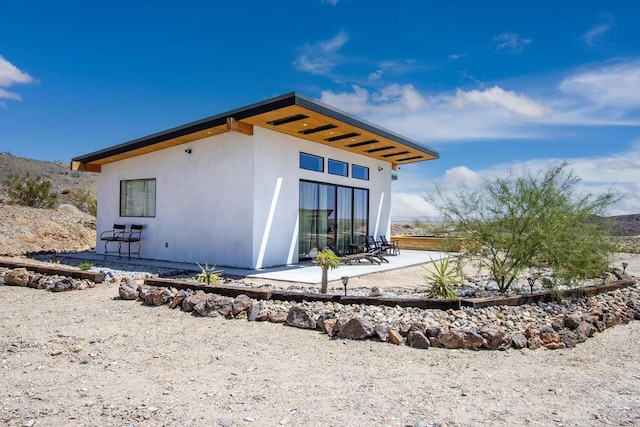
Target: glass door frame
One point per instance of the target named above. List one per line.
(331, 235)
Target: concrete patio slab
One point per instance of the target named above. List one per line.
(305, 272)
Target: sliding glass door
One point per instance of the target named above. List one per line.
(331, 216)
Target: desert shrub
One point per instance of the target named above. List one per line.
(443, 279)
(509, 223)
(27, 191)
(83, 199)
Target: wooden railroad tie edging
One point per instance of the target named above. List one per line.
(54, 269)
(423, 303)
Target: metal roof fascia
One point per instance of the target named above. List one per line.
(209, 122)
(246, 112)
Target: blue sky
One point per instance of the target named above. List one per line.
(490, 85)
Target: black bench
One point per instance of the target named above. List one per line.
(120, 235)
(112, 236)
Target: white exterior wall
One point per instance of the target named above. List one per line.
(234, 200)
(203, 200)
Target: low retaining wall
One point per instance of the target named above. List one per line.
(429, 243)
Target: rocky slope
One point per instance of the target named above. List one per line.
(61, 176)
(25, 230)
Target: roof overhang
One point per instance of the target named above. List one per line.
(290, 114)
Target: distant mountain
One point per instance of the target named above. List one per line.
(626, 225)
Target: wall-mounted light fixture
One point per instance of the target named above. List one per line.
(188, 151)
(380, 168)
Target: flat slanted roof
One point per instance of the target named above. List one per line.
(291, 114)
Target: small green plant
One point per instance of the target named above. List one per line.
(85, 266)
(27, 191)
(327, 260)
(208, 274)
(443, 279)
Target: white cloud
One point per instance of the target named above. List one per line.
(517, 104)
(594, 34)
(461, 176)
(331, 2)
(619, 173)
(322, 57)
(511, 42)
(402, 108)
(5, 94)
(616, 86)
(410, 206)
(11, 75)
(604, 95)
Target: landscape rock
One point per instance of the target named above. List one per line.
(277, 316)
(65, 284)
(178, 298)
(356, 328)
(323, 317)
(451, 339)
(417, 339)
(241, 303)
(257, 313)
(190, 301)
(568, 338)
(330, 326)
(395, 337)
(548, 335)
(534, 342)
(471, 340)
(17, 277)
(153, 295)
(572, 321)
(128, 289)
(298, 317)
(586, 329)
(494, 336)
(518, 341)
(213, 305)
(382, 332)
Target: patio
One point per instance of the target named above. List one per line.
(305, 272)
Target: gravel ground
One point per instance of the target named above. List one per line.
(84, 358)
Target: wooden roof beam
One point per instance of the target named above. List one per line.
(235, 126)
(79, 166)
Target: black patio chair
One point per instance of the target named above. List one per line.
(389, 246)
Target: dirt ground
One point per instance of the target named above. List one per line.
(83, 358)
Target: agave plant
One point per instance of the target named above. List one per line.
(443, 279)
(208, 274)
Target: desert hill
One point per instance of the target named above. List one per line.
(65, 229)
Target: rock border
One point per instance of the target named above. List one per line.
(554, 325)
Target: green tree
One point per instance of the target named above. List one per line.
(27, 191)
(327, 260)
(514, 222)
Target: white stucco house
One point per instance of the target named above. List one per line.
(254, 187)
